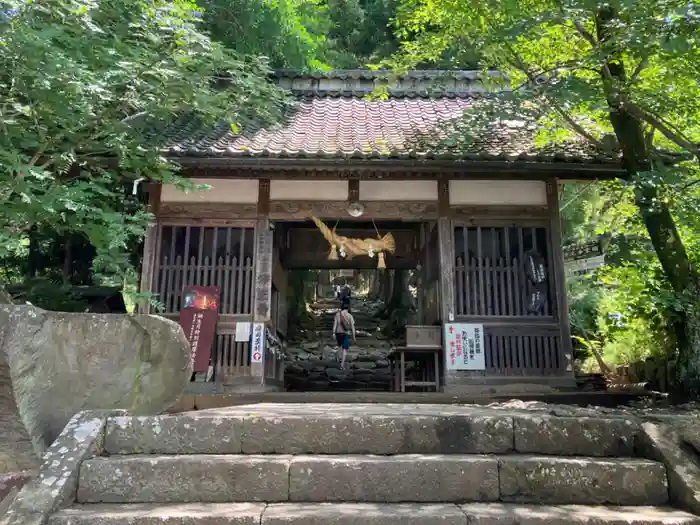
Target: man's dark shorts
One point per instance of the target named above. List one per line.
(343, 340)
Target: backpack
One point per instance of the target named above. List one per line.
(344, 322)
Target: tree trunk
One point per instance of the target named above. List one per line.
(657, 217)
(297, 286)
(398, 305)
(385, 292)
(34, 257)
(67, 272)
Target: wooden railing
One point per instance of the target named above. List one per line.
(490, 272)
(520, 347)
(504, 281)
(209, 256)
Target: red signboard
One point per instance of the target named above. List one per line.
(200, 309)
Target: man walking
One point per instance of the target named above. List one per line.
(343, 328)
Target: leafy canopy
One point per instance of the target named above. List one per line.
(554, 57)
(87, 88)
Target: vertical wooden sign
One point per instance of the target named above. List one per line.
(198, 316)
(263, 272)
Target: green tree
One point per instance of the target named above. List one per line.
(87, 93)
(621, 75)
(308, 35)
(292, 33)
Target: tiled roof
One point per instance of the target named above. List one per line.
(333, 120)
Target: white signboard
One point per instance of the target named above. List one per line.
(257, 346)
(242, 332)
(464, 346)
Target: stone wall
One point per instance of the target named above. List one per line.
(315, 368)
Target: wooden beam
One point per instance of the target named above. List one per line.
(372, 169)
(561, 305)
(304, 262)
(479, 214)
(447, 269)
(302, 210)
(207, 210)
(264, 197)
(353, 190)
(150, 246)
(443, 196)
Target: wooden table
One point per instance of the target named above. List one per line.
(428, 359)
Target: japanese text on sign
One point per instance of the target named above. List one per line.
(195, 331)
(464, 346)
(257, 347)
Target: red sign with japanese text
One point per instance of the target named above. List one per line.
(198, 316)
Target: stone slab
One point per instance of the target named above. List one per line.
(510, 514)
(150, 514)
(330, 433)
(378, 434)
(362, 514)
(664, 442)
(393, 479)
(560, 480)
(184, 479)
(55, 485)
(575, 436)
(182, 434)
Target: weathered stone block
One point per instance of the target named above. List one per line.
(415, 478)
(664, 442)
(55, 485)
(539, 479)
(377, 434)
(173, 434)
(184, 479)
(150, 514)
(62, 363)
(361, 514)
(511, 514)
(16, 449)
(574, 436)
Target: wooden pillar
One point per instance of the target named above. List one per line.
(445, 232)
(446, 253)
(262, 281)
(561, 304)
(421, 281)
(150, 248)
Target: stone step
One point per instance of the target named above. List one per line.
(368, 429)
(368, 514)
(381, 479)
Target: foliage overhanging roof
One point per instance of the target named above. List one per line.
(333, 119)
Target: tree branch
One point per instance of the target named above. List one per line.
(587, 35)
(133, 117)
(575, 125)
(690, 184)
(665, 130)
(640, 67)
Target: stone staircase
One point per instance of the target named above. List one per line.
(312, 464)
(311, 363)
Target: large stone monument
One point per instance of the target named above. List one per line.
(61, 363)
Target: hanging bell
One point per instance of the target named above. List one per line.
(342, 252)
(370, 252)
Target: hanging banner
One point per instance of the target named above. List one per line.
(257, 346)
(198, 316)
(464, 346)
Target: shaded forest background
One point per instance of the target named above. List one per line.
(627, 309)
